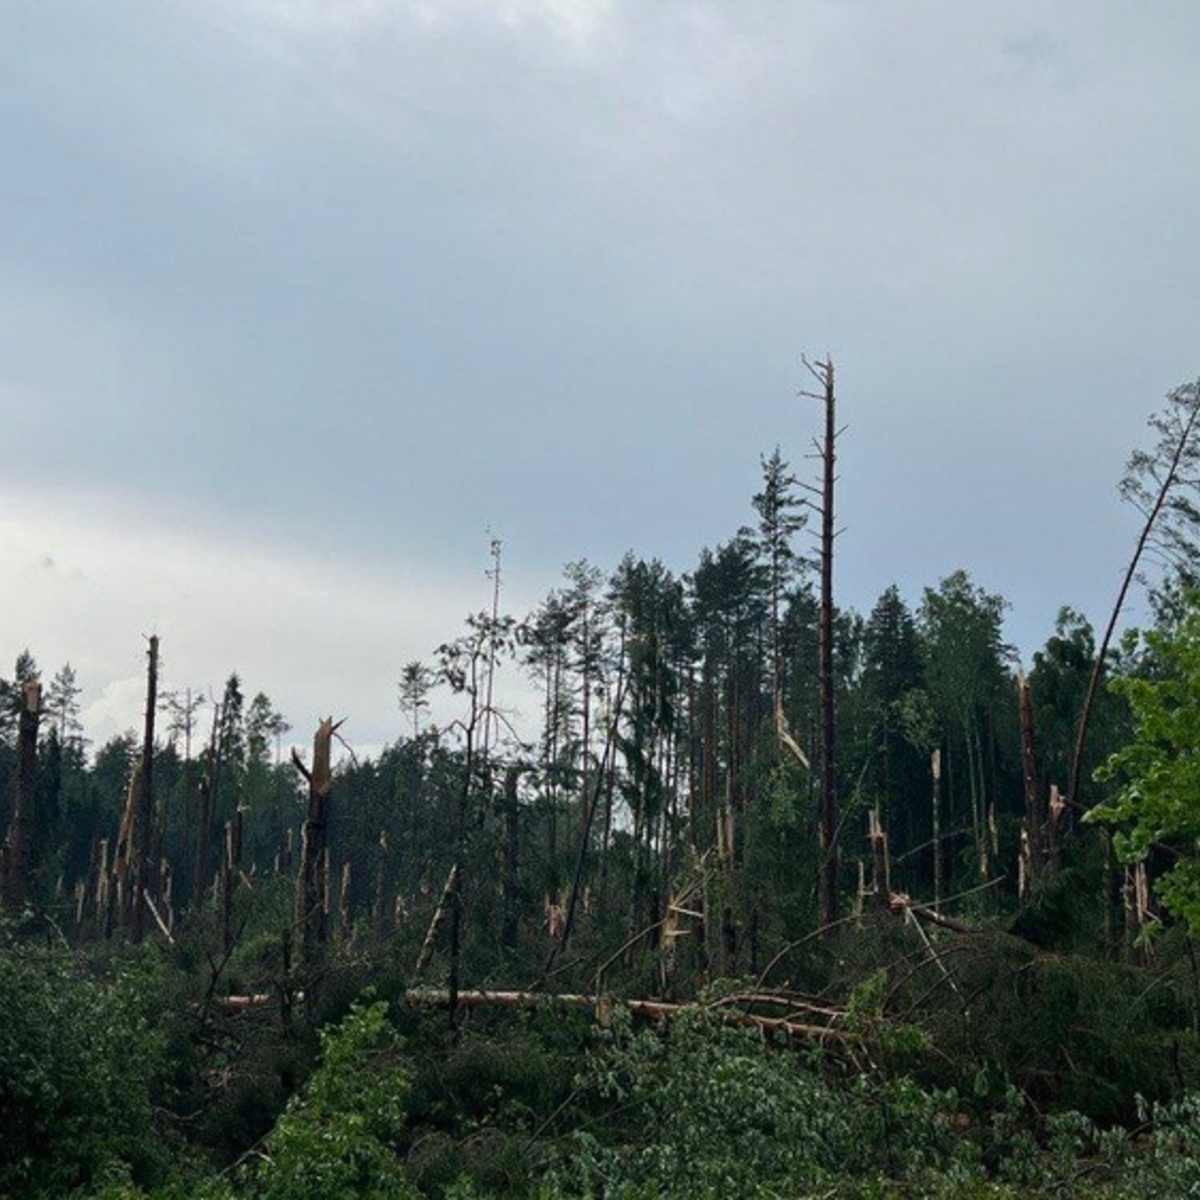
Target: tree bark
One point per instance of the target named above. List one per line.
(1033, 806)
(510, 886)
(828, 888)
(202, 871)
(142, 858)
(313, 897)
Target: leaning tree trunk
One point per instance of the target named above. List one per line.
(16, 858)
(1178, 449)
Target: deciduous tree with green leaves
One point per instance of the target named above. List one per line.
(1157, 802)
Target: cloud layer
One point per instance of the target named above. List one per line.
(364, 279)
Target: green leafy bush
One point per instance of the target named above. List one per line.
(78, 1065)
(710, 1110)
(336, 1139)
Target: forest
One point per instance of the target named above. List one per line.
(780, 898)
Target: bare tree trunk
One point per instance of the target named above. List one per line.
(510, 885)
(1033, 805)
(880, 858)
(378, 900)
(121, 891)
(828, 825)
(435, 924)
(312, 894)
(230, 863)
(935, 771)
(591, 805)
(345, 923)
(142, 859)
(16, 858)
(202, 871)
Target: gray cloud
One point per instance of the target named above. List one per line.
(376, 275)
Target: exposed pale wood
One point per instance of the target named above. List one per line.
(903, 904)
(478, 998)
(828, 823)
(141, 858)
(313, 889)
(163, 927)
(439, 915)
(1033, 807)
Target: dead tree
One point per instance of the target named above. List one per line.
(231, 861)
(16, 858)
(827, 890)
(202, 872)
(121, 888)
(142, 860)
(1032, 831)
(510, 879)
(935, 809)
(312, 895)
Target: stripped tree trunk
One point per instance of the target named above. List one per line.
(510, 926)
(935, 772)
(202, 872)
(827, 891)
(230, 869)
(880, 858)
(439, 915)
(312, 894)
(121, 890)
(141, 858)
(1033, 806)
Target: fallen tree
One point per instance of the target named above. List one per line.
(800, 1018)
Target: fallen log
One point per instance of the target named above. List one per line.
(602, 1006)
(723, 1007)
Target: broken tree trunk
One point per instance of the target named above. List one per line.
(121, 885)
(16, 859)
(312, 892)
(828, 824)
(202, 872)
(141, 859)
(439, 915)
(881, 860)
(510, 887)
(231, 861)
(1033, 806)
(790, 1024)
(935, 773)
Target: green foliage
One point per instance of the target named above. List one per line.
(711, 1110)
(336, 1140)
(1159, 770)
(78, 1067)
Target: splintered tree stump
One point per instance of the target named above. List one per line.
(313, 891)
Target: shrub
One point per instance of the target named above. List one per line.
(710, 1110)
(336, 1139)
(78, 1063)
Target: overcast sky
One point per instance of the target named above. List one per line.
(299, 298)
